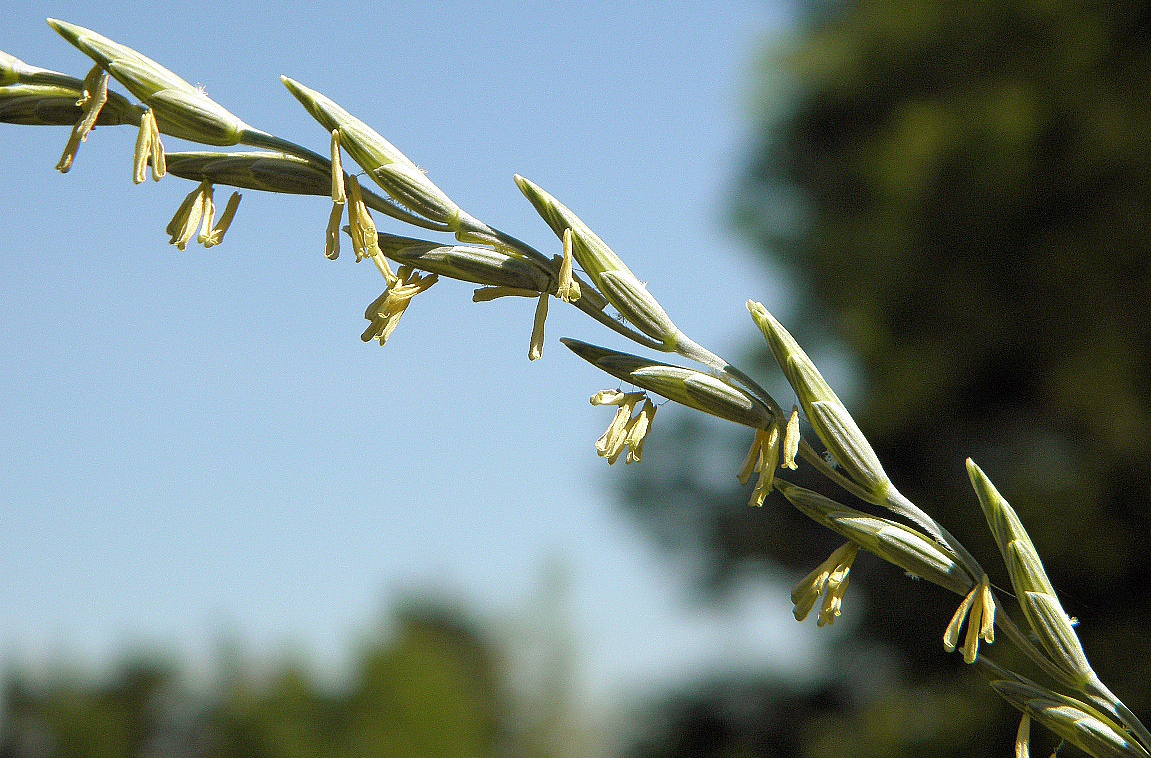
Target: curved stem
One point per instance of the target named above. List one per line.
(1027, 647)
(1100, 695)
(259, 138)
(807, 452)
(692, 350)
(619, 328)
(898, 503)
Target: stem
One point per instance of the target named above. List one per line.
(587, 307)
(259, 138)
(1027, 647)
(807, 452)
(904, 507)
(1098, 693)
(692, 350)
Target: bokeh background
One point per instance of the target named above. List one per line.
(230, 528)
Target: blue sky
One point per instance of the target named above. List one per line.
(199, 441)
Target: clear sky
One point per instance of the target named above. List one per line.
(199, 441)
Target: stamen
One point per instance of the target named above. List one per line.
(143, 150)
(93, 99)
(221, 228)
(184, 224)
(386, 310)
(149, 149)
(978, 609)
(1023, 737)
(754, 456)
(159, 163)
(567, 289)
(765, 466)
(536, 347)
(637, 432)
(208, 215)
(791, 440)
(339, 197)
(332, 236)
(487, 294)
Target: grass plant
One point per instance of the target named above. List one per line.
(586, 273)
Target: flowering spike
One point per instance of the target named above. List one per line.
(479, 265)
(181, 110)
(1041, 606)
(895, 543)
(689, 387)
(1075, 721)
(385, 165)
(825, 412)
(619, 285)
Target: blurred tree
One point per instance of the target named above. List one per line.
(433, 685)
(963, 192)
(430, 688)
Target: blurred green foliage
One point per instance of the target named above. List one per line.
(433, 686)
(961, 190)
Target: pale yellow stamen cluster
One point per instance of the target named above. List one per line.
(362, 229)
(978, 610)
(149, 150)
(196, 217)
(829, 580)
(626, 431)
(764, 455)
(761, 459)
(93, 99)
(386, 310)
